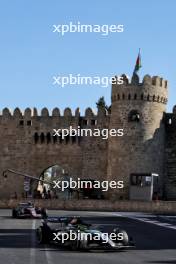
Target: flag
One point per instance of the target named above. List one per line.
(138, 63)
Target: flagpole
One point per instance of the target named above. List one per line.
(140, 51)
(138, 63)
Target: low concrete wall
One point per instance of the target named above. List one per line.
(161, 207)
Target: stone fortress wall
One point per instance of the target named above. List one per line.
(27, 145)
(148, 144)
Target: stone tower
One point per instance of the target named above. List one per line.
(138, 108)
(170, 153)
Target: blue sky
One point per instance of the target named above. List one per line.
(31, 54)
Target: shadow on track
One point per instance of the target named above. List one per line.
(146, 236)
(163, 262)
(16, 238)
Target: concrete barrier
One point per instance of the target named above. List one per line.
(157, 207)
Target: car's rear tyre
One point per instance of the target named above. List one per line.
(42, 236)
(14, 213)
(44, 213)
(75, 245)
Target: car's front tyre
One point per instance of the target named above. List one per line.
(125, 238)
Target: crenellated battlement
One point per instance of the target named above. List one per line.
(155, 81)
(55, 112)
(147, 79)
(152, 89)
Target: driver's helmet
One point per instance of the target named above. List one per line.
(75, 221)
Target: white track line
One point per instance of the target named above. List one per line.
(48, 256)
(33, 250)
(155, 222)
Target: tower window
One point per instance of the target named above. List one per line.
(134, 116)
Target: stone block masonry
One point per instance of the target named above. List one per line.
(27, 143)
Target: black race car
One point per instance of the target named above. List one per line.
(76, 234)
(28, 210)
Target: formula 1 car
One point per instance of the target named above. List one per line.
(76, 234)
(28, 210)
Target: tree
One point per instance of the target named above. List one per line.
(101, 103)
